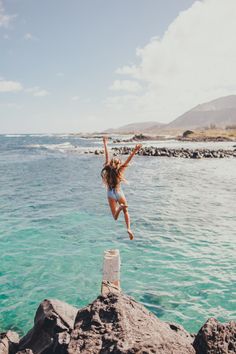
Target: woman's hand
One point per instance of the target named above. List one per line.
(105, 139)
(138, 147)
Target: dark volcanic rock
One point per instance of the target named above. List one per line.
(114, 323)
(216, 338)
(168, 152)
(8, 342)
(118, 324)
(53, 323)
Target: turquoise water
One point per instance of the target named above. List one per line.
(55, 225)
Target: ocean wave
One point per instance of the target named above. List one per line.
(14, 135)
(40, 135)
(62, 147)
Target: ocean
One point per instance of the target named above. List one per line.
(55, 225)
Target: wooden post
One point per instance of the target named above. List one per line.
(111, 271)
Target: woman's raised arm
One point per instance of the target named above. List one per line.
(106, 150)
(136, 149)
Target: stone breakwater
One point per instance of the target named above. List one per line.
(114, 323)
(171, 152)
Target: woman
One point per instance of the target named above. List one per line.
(112, 175)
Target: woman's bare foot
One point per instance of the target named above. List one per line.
(131, 235)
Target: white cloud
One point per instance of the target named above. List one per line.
(126, 85)
(4, 18)
(37, 92)
(10, 86)
(193, 62)
(29, 37)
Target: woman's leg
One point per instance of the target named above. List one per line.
(123, 201)
(113, 206)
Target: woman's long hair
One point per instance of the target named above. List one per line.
(112, 173)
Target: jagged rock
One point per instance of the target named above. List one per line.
(53, 323)
(8, 342)
(180, 330)
(117, 324)
(114, 323)
(167, 152)
(216, 338)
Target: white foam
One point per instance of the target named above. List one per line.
(63, 147)
(14, 135)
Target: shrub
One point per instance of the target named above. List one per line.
(187, 132)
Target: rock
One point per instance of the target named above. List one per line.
(216, 338)
(141, 137)
(181, 152)
(8, 342)
(180, 330)
(53, 323)
(196, 155)
(117, 324)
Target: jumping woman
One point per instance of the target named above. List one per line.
(112, 175)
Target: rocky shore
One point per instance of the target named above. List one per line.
(114, 323)
(186, 136)
(140, 138)
(171, 152)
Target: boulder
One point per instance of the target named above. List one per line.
(216, 338)
(196, 155)
(53, 323)
(8, 342)
(117, 324)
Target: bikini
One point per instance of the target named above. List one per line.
(115, 194)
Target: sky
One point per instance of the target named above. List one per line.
(87, 65)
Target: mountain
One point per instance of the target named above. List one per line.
(219, 113)
(135, 128)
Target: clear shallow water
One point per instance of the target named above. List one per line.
(55, 225)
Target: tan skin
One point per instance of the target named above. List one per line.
(121, 205)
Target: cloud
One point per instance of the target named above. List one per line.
(126, 85)
(37, 92)
(4, 18)
(10, 86)
(29, 37)
(15, 86)
(193, 62)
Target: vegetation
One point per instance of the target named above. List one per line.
(187, 133)
(211, 134)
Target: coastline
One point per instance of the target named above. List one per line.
(153, 151)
